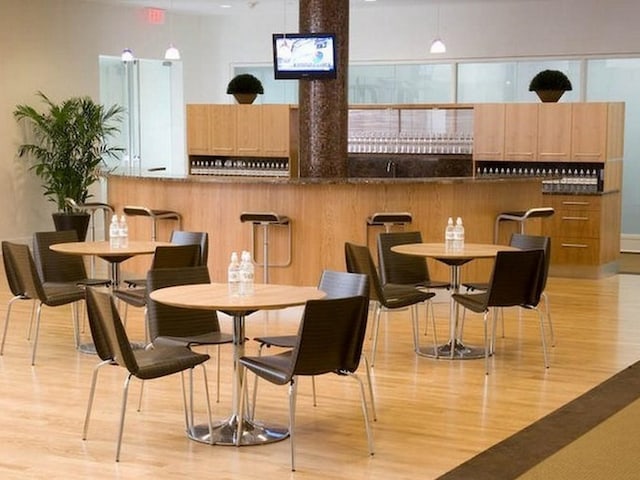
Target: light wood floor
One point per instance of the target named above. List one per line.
(432, 414)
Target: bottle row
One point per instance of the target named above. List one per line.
(407, 143)
(240, 166)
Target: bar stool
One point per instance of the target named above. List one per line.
(520, 216)
(387, 220)
(265, 220)
(91, 208)
(155, 215)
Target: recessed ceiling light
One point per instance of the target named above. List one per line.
(225, 5)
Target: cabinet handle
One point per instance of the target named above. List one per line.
(594, 155)
(586, 204)
(554, 154)
(582, 219)
(527, 154)
(574, 245)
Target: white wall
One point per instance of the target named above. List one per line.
(53, 46)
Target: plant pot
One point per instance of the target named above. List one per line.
(78, 221)
(245, 98)
(549, 96)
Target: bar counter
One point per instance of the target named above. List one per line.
(325, 213)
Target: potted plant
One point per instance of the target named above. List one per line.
(549, 85)
(68, 147)
(245, 88)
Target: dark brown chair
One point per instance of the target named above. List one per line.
(389, 296)
(18, 257)
(57, 268)
(113, 347)
(515, 282)
(402, 269)
(182, 237)
(330, 339)
(164, 257)
(335, 285)
(18, 292)
(528, 242)
(183, 326)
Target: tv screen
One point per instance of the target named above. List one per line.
(304, 55)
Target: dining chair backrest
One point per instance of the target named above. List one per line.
(26, 272)
(358, 259)
(53, 266)
(176, 256)
(399, 268)
(13, 281)
(535, 242)
(107, 329)
(343, 284)
(515, 278)
(168, 321)
(182, 237)
(326, 340)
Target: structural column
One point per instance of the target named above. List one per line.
(323, 104)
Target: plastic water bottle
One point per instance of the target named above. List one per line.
(114, 232)
(458, 235)
(448, 234)
(246, 274)
(123, 228)
(233, 275)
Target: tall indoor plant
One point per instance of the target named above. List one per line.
(68, 145)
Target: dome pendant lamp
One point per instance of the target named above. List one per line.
(437, 46)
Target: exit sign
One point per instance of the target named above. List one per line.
(155, 16)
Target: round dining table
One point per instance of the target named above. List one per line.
(454, 258)
(113, 254)
(218, 296)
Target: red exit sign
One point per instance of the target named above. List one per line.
(155, 16)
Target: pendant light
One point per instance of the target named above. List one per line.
(172, 53)
(127, 55)
(437, 46)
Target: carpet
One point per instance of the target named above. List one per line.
(548, 448)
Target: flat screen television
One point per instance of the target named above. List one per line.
(304, 55)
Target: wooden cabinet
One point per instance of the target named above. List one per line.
(239, 130)
(488, 131)
(521, 132)
(554, 132)
(585, 234)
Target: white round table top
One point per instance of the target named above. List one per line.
(439, 250)
(216, 296)
(105, 249)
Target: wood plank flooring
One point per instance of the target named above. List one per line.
(432, 414)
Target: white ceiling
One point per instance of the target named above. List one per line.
(230, 7)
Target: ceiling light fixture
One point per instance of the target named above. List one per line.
(437, 46)
(172, 53)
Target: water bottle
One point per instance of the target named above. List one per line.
(448, 234)
(114, 232)
(123, 229)
(233, 275)
(458, 235)
(246, 274)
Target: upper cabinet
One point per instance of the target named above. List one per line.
(239, 130)
(549, 132)
(488, 131)
(554, 132)
(520, 131)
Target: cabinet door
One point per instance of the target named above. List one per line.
(275, 130)
(198, 129)
(488, 131)
(554, 132)
(521, 131)
(249, 130)
(223, 129)
(589, 132)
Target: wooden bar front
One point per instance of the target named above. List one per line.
(324, 215)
